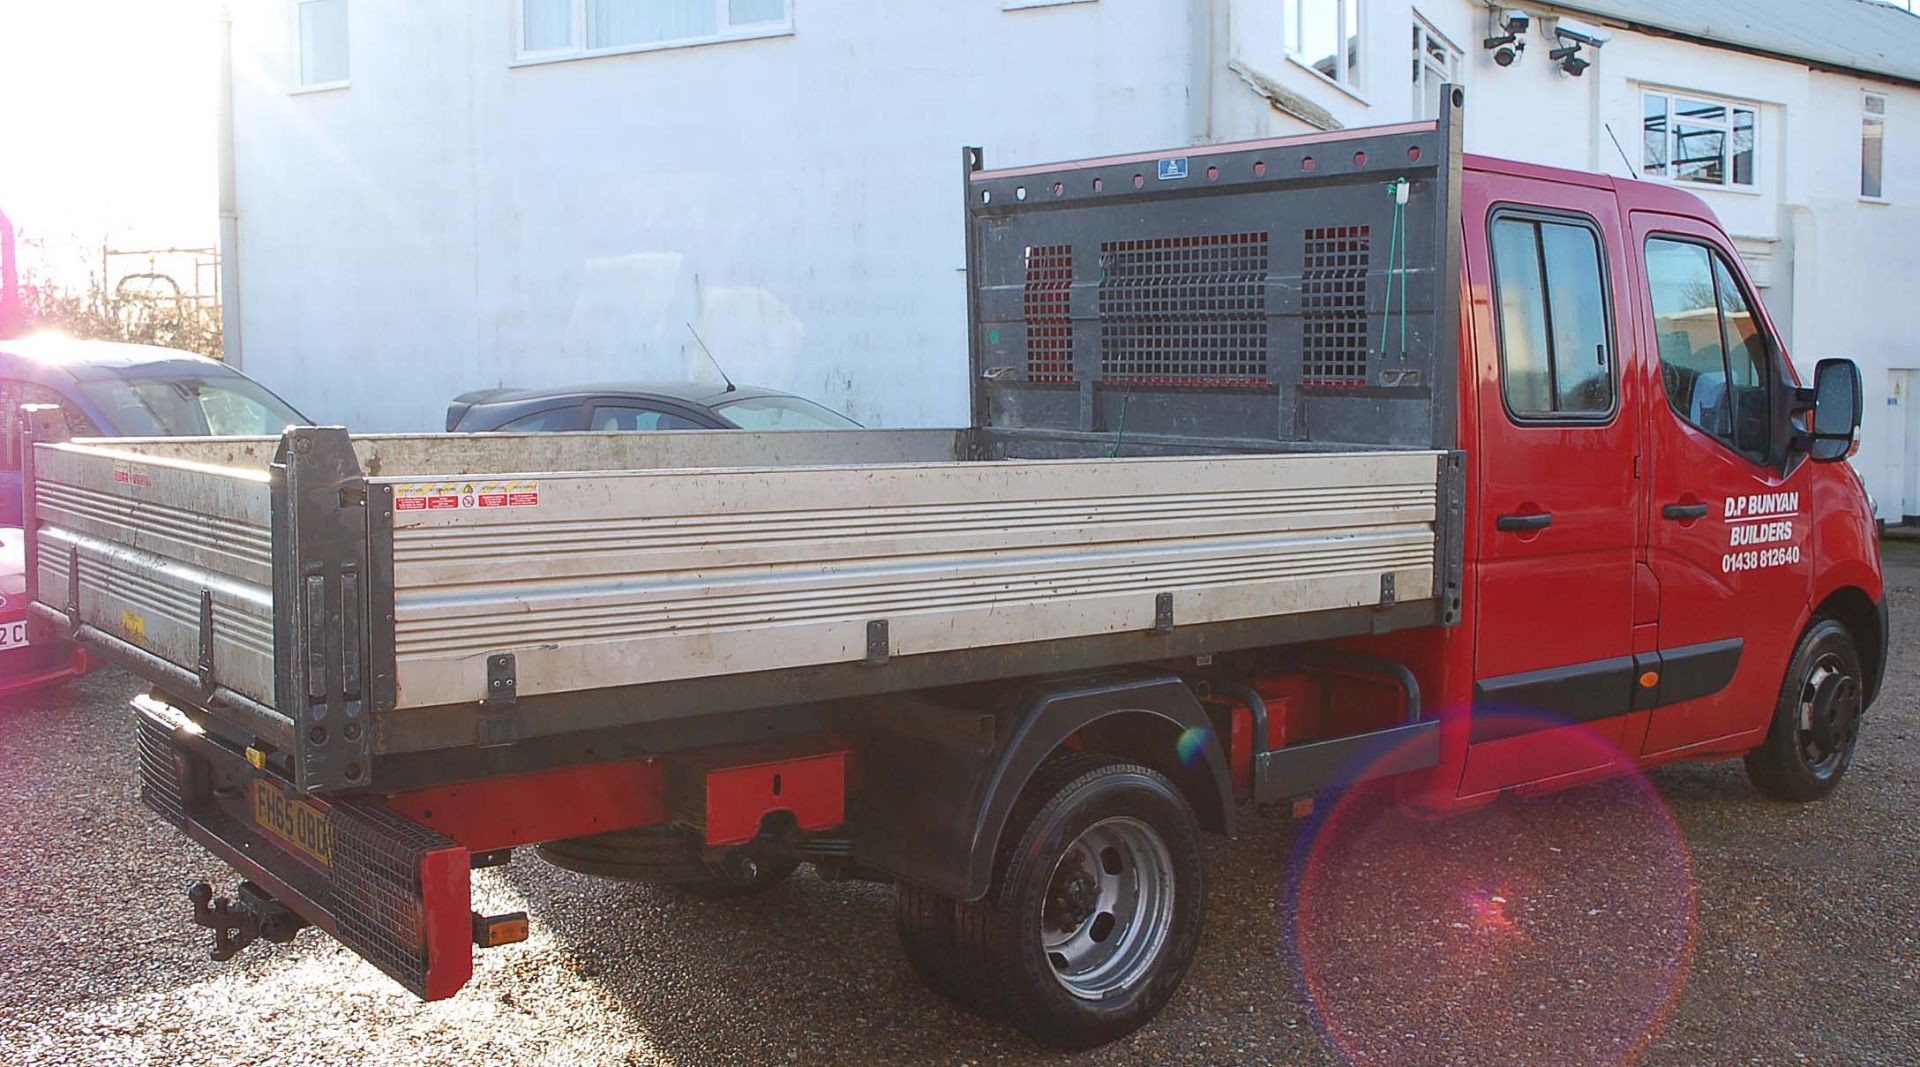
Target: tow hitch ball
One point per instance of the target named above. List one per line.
(237, 923)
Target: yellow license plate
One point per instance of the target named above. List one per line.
(295, 822)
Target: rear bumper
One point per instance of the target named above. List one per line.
(390, 889)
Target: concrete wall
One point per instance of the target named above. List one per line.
(453, 221)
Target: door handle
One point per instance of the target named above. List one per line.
(1524, 523)
(1684, 512)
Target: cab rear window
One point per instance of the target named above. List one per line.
(1556, 355)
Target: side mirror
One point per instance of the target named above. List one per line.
(1833, 424)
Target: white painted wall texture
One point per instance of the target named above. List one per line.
(452, 220)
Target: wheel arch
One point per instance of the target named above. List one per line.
(1152, 720)
(1866, 621)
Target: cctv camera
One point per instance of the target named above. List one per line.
(1569, 60)
(1514, 22)
(1506, 49)
(1580, 32)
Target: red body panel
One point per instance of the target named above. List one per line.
(813, 789)
(525, 809)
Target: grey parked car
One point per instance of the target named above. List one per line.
(640, 406)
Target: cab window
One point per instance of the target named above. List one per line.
(1556, 358)
(1713, 356)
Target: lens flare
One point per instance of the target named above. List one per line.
(1192, 742)
(1550, 930)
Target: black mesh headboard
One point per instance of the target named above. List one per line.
(1225, 293)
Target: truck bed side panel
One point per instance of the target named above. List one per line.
(618, 579)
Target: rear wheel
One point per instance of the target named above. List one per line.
(1095, 910)
(1816, 722)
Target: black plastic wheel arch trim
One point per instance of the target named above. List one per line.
(1053, 717)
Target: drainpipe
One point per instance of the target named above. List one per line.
(230, 349)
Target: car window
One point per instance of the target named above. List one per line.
(1556, 359)
(221, 406)
(783, 413)
(13, 394)
(567, 419)
(1713, 355)
(611, 417)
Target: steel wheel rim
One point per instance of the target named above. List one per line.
(1108, 908)
(1829, 723)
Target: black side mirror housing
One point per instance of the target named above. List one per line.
(1833, 409)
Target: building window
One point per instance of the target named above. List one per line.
(1556, 355)
(1326, 37)
(322, 33)
(558, 29)
(1435, 63)
(1873, 129)
(1693, 139)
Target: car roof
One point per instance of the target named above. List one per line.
(690, 392)
(56, 357)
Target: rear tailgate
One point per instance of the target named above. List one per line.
(146, 550)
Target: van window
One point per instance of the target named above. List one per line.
(1713, 357)
(1556, 361)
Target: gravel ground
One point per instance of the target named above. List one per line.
(1682, 920)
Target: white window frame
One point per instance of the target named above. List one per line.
(299, 71)
(1870, 117)
(1349, 81)
(1427, 96)
(577, 49)
(1726, 125)
(1022, 5)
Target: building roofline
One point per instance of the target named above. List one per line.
(1617, 20)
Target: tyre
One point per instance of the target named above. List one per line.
(666, 855)
(1095, 911)
(927, 926)
(1816, 722)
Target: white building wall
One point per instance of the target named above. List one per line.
(453, 221)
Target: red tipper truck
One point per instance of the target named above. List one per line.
(1292, 463)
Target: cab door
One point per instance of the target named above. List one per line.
(1728, 504)
(1557, 517)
